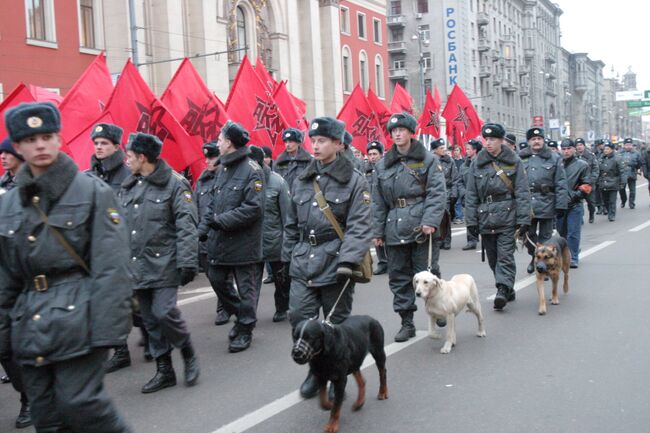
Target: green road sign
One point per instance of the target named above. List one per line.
(638, 104)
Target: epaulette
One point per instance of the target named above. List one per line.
(254, 165)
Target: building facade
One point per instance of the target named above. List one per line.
(48, 43)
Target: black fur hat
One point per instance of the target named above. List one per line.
(375, 145)
(494, 130)
(476, 145)
(405, 120)
(567, 142)
(112, 133)
(210, 149)
(236, 133)
(534, 132)
(580, 140)
(28, 119)
(145, 144)
(293, 134)
(257, 154)
(511, 138)
(268, 152)
(437, 143)
(327, 127)
(347, 139)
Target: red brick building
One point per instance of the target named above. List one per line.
(364, 55)
(48, 43)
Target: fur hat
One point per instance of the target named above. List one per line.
(7, 147)
(437, 143)
(375, 145)
(511, 138)
(145, 144)
(28, 119)
(347, 139)
(609, 144)
(210, 149)
(268, 153)
(477, 145)
(236, 133)
(628, 141)
(523, 145)
(534, 132)
(580, 140)
(112, 133)
(257, 154)
(494, 130)
(405, 120)
(567, 142)
(293, 134)
(552, 143)
(327, 127)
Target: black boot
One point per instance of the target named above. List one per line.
(222, 316)
(234, 332)
(531, 266)
(145, 341)
(120, 359)
(591, 217)
(24, 418)
(309, 387)
(280, 316)
(469, 246)
(408, 328)
(192, 369)
(165, 375)
(501, 298)
(242, 341)
(511, 294)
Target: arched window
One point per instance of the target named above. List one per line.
(347, 69)
(242, 40)
(379, 76)
(363, 70)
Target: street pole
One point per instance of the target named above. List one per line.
(134, 36)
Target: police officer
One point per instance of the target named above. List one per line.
(349, 153)
(548, 189)
(632, 160)
(612, 178)
(375, 151)
(64, 289)
(294, 159)
(587, 156)
(645, 165)
(451, 181)
(161, 218)
(202, 193)
(276, 207)
(497, 204)
(322, 264)
(232, 226)
(597, 149)
(553, 146)
(511, 141)
(472, 149)
(409, 198)
(11, 162)
(578, 181)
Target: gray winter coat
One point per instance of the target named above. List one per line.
(310, 242)
(161, 218)
(276, 208)
(202, 196)
(371, 174)
(450, 171)
(463, 172)
(632, 161)
(356, 162)
(592, 161)
(111, 170)
(290, 167)
(405, 198)
(73, 312)
(7, 182)
(612, 172)
(577, 173)
(488, 202)
(233, 221)
(547, 181)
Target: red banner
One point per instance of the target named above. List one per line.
(402, 100)
(291, 112)
(360, 120)
(429, 122)
(265, 75)
(460, 112)
(382, 113)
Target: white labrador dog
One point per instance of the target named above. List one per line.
(445, 299)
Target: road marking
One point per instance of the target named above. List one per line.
(640, 227)
(459, 232)
(641, 185)
(196, 298)
(293, 398)
(530, 280)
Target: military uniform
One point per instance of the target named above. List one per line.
(289, 167)
(612, 178)
(494, 210)
(451, 174)
(7, 182)
(111, 170)
(592, 161)
(382, 261)
(632, 161)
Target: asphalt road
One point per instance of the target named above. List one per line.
(580, 368)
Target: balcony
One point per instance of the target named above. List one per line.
(524, 70)
(529, 53)
(482, 18)
(496, 79)
(483, 43)
(509, 63)
(508, 39)
(524, 91)
(398, 74)
(549, 89)
(549, 57)
(485, 71)
(397, 47)
(396, 20)
(509, 85)
(496, 55)
(580, 84)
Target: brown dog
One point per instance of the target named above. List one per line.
(551, 257)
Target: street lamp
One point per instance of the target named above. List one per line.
(545, 76)
(419, 36)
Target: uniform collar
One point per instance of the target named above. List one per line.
(506, 156)
(50, 185)
(340, 170)
(416, 152)
(108, 164)
(234, 157)
(159, 177)
(301, 155)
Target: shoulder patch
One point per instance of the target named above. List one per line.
(258, 186)
(187, 196)
(416, 165)
(508, 167)
(254, 165)
(178, 175)
(114, 215)
(366, 197)
(439, 167)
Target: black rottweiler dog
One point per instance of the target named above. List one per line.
(335, 351)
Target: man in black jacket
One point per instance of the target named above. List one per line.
(294, 159)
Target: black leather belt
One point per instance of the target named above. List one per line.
(403, 202)
(41, 283)
(315, 239)
(496, 198)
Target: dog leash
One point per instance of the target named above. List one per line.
(329, 315)
(430, 252)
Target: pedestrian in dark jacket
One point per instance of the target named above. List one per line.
(11, 162)
(472, 149)
(612, 178)
(375, 152)
(577, 173)
(587, 156)
(63, 300)
(548, 189)
(450, 172)
(497, 204)
(232, 226)
(632, 161)
(294, 159)
(409, 199)
(161, 217)
(323, 265)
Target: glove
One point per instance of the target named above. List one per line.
(347, 271)
(522, 230)
(187, 275)
(560, 213)
(473, 230)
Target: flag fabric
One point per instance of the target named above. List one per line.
(43, 95)
(292, 113)
(460, 112)
(360, 120)
(17, 96)
(429, 122)
(401, 101)
(265, 75)
(251, 104)
(87, 99)
(382, 113)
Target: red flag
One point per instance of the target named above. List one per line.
(20, 94)
(402, 101)
(251, 104)
(382, 113)
(86, 100)
(456, 137)
(291, 112)
(265, 75)
(429, 122)
(43, 95)
(460, 111)
(360, 120)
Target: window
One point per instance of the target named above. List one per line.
(242, 41)
(363, 70)
(426, 60)
(379, 76)
(399, 64)
(90, 24)
(361, 25)
(428, 85)
(347, 70)
(376, 27)
(40, 20)
(396, 7)
(425, 33)
(345, 20)
(423, 6)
